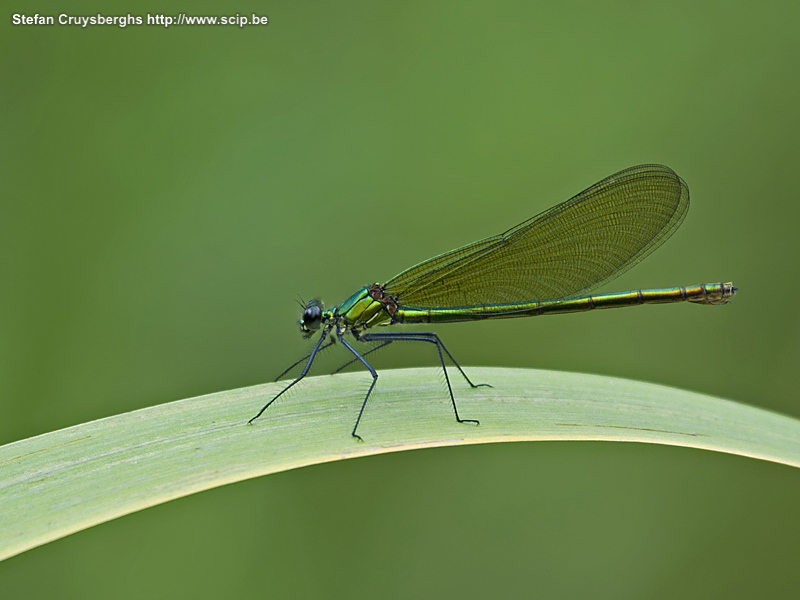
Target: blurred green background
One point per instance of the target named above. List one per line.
(169, 192)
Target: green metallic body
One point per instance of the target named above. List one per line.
(361, 311)
(710, 293)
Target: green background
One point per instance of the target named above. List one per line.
(168, 193)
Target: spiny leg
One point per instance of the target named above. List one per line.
(432, 338)
(330, 343)
(370, 351)
(426, 335)
(369, 391)
(302, 374)
(458, 366)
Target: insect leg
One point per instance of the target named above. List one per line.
(330, 343)
(370, 351)
(432, 338)
(371, 386)
(302, 374)
(367, 337)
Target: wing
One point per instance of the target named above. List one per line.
(567, 250)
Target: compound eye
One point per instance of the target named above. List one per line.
(312, 316)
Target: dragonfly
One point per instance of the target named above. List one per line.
(543, 266)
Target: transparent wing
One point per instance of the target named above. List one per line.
(565, 251)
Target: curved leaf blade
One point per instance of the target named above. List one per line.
(64, 481)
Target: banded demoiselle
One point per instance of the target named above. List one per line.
(544, 265)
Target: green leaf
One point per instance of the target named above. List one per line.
(61, 482)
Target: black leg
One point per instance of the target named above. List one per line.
(432, 338)
(369, 391)
(426, 336)
(303, 374)
(350, 362)
(330, 343)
